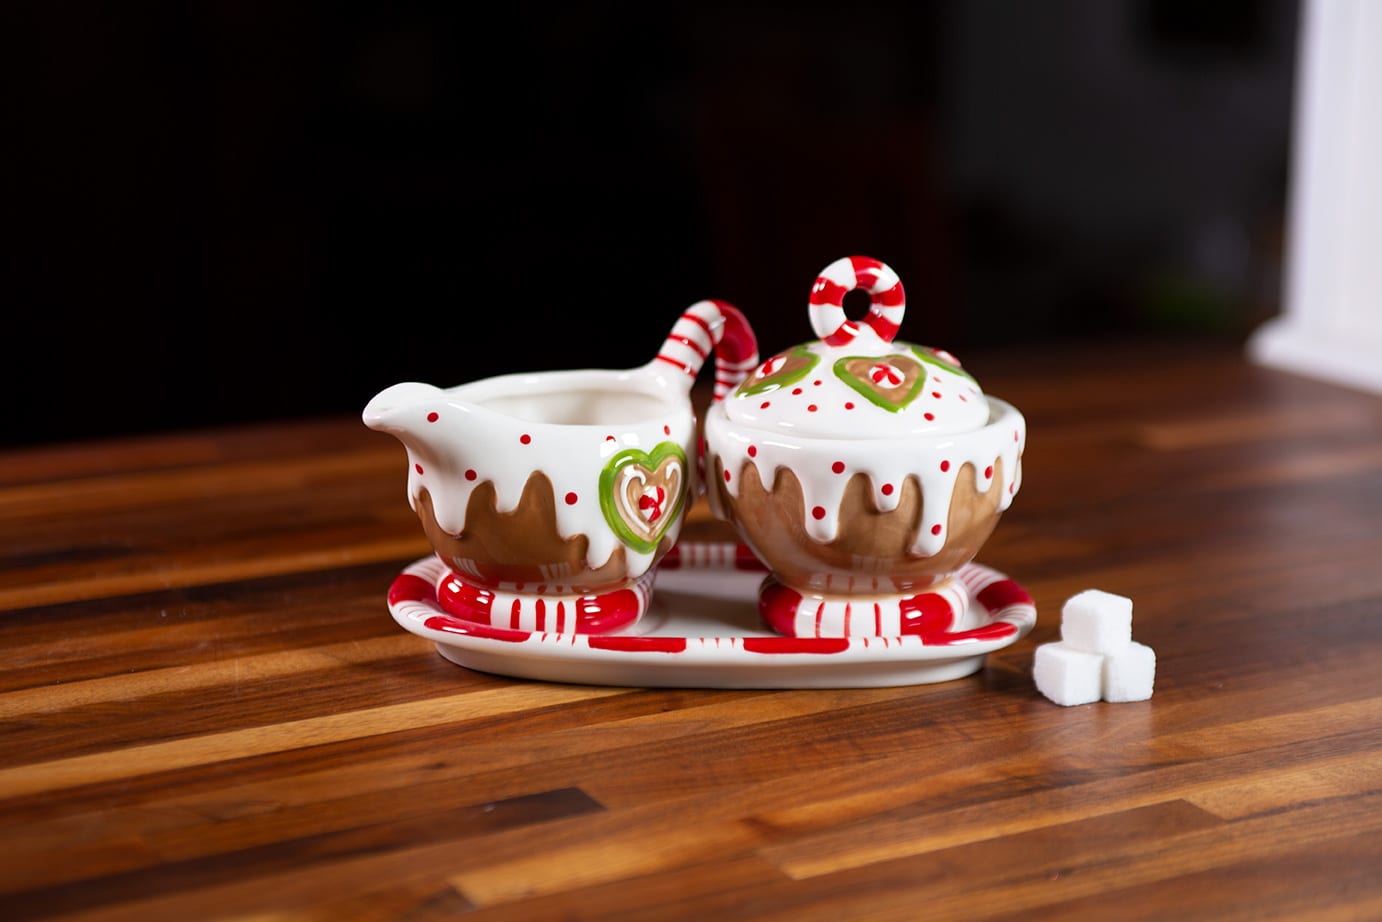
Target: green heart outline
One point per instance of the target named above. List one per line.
(928, 355)
(650, 461)
(865, 389)
(782, 379)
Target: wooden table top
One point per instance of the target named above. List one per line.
(206, 710)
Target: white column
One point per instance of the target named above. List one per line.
(1331, 322)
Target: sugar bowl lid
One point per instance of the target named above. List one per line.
(856, 380)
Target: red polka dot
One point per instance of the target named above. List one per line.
(571, 499)
(666, 430)
(764, 405)
(963, 398)
(818, 512)
(936, 394)
(610, 438)
(816, 383)
(849, 405)
(432, 417)
(753, 451)
(935, 529)
(1012, 487)
(418, 468)
(726, 476)
(838, 467)
(796, 390)
(936, 378)
(470, 474)
(811, 408)
(930, 417)
(887, 489)
(1015, 435)
(988, 472)
(525, 438)
(945, 466)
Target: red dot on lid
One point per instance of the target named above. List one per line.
(935, 529)
(945, 466)
(666, 430)
(764, 405)
(818, 512)
(811, 408)
(1015, 435)
(753, 451)
(525, 438)
(796, 390)
(988, 472)
(816, 383)
(849, 404)
(726, 476)
(930, 417)
(470, 474)
(571, 499)
(418, 468)
(887, 489)
(433, 417)
(936, 394)
(838, 467)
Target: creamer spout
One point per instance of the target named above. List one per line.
(389, 408)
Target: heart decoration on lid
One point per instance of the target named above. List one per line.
(891, 382)
(783, 369)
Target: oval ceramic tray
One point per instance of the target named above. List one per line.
(703, 630)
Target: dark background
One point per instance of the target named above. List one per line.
(227, 212)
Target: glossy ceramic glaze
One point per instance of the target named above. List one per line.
(552, 495)
(864, 470)
(703, 630)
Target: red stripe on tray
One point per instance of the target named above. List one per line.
(776, 645)
(411, 588)
(638, 644)
(450, 625)
(1002, 594)
(995, 631)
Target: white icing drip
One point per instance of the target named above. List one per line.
(934, 461)
(469, 435)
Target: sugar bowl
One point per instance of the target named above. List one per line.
(863, 470)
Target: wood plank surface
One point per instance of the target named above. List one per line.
(207, 712)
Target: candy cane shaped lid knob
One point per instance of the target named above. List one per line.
(857, 380)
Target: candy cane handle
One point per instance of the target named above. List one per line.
(887, 302)
(712, 326)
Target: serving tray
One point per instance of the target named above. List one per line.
(703, 630)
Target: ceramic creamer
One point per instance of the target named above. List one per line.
(551, 496)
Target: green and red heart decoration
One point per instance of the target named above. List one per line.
(641, 493)
(783, 369)
(941, 359)
(889, 381)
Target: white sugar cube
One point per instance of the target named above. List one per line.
(1097, 622)
(1066, 675)
(1129, 673)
